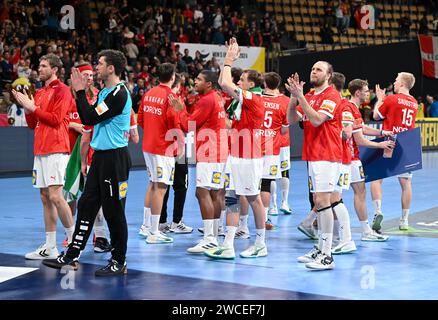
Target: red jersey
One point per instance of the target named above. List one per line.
(358, 126)
(245, 139)
(209, 121)
(90, 130)
(345, 114)
(50, 119)
(275, 118)
(74, 117)
(399, 112)
(285, 139)
(322, 143)
(156, 116)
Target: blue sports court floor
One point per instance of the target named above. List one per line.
(404, 267)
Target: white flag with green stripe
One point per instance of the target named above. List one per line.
(74, 181)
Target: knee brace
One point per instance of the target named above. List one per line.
(232, 202)
(266, 185)
(285, 174)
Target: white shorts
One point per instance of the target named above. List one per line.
(407, 175)
(357, 174)
(49, 170)
(344, 178)
(247, 175)
(323, 175)
(284, 158)
(210, 175)
(228, 176)
(271, 166)
(160, 168)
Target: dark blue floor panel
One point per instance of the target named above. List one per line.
(49, 284)
(405, 267)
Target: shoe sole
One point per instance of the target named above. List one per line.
(375, 240)
(74, 268)
(403, 228)
(219, 257)
(320, 269)
(285, 211)
(159, 242)
(273, 214)
(101, 251)
(252, 257)
(124, 273)
(377, 223)
(308, 235)
(343, 252)
(181, 232)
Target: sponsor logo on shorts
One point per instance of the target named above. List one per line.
(123, 189)
(34, 177)
(159, 172)
(284, 164)
(149, 172)
(216, 177)
(362, 175)
(273, 170)
(172, 174)
(340, 180)
(227, 180)
(346, 177)
(310, 183)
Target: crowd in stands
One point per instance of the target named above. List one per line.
(347, 13)
(145, 33)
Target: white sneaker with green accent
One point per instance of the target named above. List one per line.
(285, 208)
(144, 231)
(158, 238)
(273, 211)
(255, 252)
(310, 232)
(180, 228)
(344, 247)
(374, 236)
(404, 224)
(220, 253)
(242, 233)
(322, 262)
(309, 256)
(203, 245)
(377, 221)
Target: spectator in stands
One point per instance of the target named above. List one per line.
(421, 109)
(427, 103)
(326, 34)
(405, 26)
(423, 25)
(433, 110)
(328, 13)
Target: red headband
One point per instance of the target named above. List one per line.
(84, 68)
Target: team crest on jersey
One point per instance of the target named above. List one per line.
(101, 108)
(346, 177)
(227, 180)
(362, 175)
(159, 172)
(273, 170)
(172, 174)
(34, 177)
(284, 164)
(328, 105)
(310, 184)
(123, 189)
(216, 177)
(341, 180)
